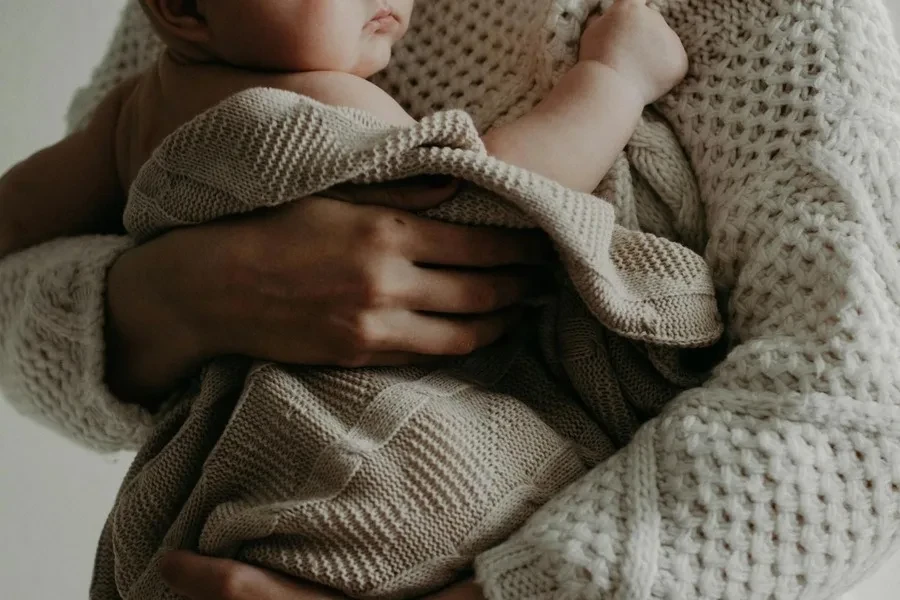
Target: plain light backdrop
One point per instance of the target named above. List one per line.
(54, 496)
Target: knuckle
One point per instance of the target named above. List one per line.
(363, 334)
(381, 233)
(373, 290)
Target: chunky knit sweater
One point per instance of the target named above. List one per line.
(780, 476)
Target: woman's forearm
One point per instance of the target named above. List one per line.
(152, 343)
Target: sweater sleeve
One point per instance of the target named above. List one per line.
(780, 477)
(52, 350)
(52, 298)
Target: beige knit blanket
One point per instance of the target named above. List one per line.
(389, 482)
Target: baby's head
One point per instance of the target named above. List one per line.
(350, 36)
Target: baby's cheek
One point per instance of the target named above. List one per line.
(316, 52)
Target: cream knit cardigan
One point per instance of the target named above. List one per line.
(780, 477)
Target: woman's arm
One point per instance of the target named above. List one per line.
(52, 345)
(203, 578)
(318, 282)
(52, 297)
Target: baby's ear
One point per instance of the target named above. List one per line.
(182, 19)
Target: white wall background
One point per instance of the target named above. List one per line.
(54, 496)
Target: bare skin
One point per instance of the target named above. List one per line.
(628, 58)
(201, 578)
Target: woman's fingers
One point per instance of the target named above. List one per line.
(397, 336)
(202, 578)
(329, 282)
(392, 337)
(444, 335)
(437, 243)
(399, 359)
(471, 292)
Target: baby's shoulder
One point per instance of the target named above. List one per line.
(325, 84)
(343, 89)
(199, 87)
(110, 108)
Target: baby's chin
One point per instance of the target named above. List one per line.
(374, 62)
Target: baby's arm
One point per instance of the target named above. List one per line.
(575, 134)
(629, 58)
(67, 189)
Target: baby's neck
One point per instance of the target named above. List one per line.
(191, 55)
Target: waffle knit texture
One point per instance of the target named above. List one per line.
(780, 477)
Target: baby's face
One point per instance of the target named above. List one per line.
(350, 36)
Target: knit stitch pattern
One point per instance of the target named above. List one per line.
(780, 477)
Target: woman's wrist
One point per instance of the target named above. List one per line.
(153, 343)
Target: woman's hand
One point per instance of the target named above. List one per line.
(201, 578)
(318, 282)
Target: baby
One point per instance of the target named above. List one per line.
(324, 50)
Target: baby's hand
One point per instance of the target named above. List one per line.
(635, 41)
